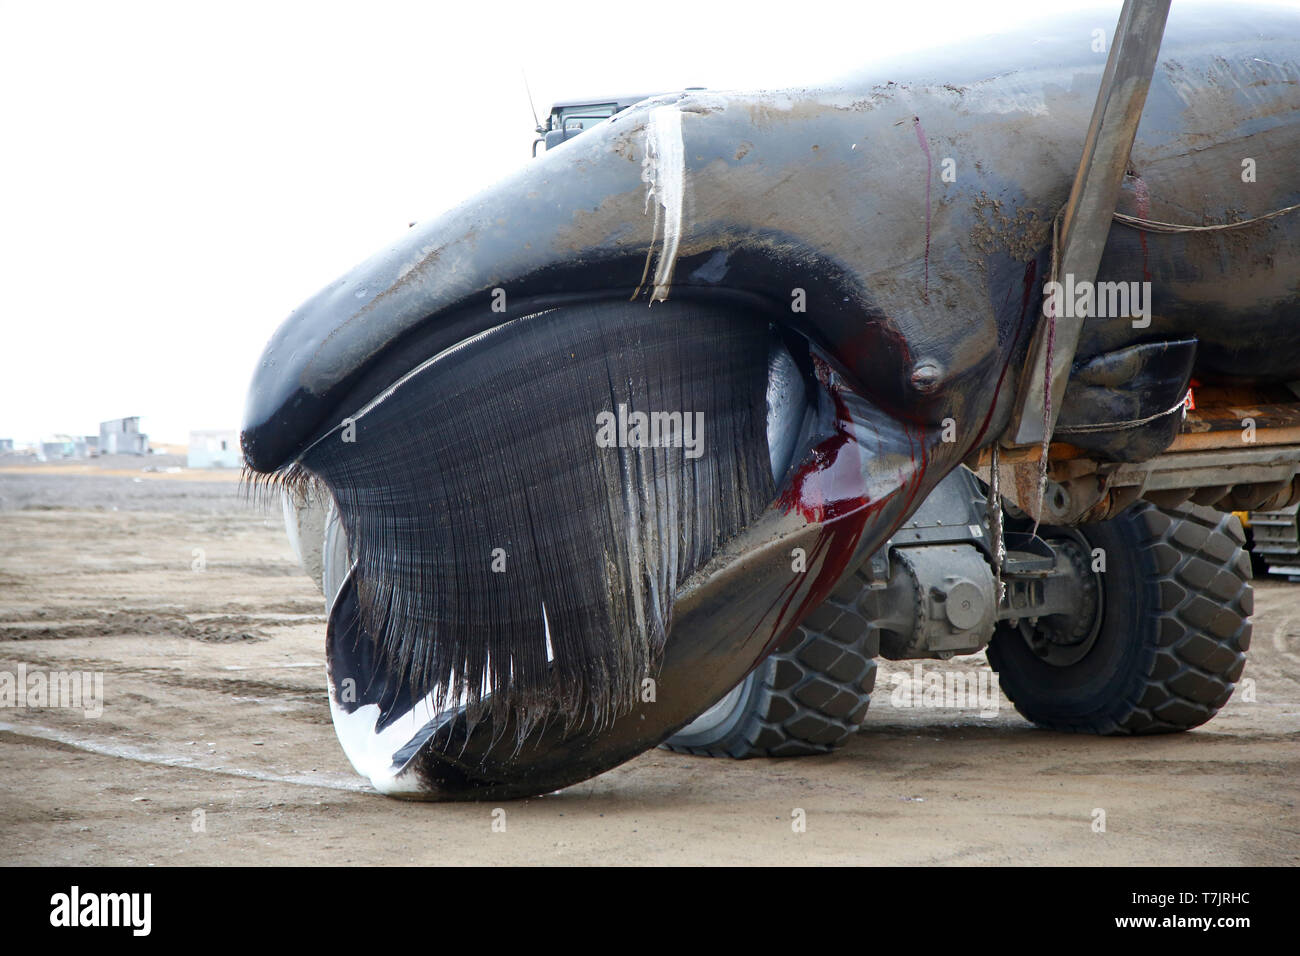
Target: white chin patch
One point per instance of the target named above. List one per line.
(383, 756)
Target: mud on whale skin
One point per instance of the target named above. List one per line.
(654, 261)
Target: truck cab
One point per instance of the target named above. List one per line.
(569, 118)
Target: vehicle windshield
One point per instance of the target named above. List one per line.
(582, 117)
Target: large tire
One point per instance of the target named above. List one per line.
(807, 697)
(1172, 639)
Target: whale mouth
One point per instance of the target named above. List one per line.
(567, 536)
(521, 509)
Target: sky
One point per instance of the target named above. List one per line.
(176, 177)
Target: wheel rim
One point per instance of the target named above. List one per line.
(1065, 639)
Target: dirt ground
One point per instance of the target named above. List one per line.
(214, 744)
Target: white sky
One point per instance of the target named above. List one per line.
(176, 177)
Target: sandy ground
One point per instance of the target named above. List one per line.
(215, 746)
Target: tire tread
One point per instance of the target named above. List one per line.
(813, 690)
(1196, 649)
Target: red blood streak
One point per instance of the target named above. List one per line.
(1031, 273)
(828, 484)
(827, 489)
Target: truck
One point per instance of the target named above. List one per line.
(667, 438)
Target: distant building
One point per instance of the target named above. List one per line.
(6, 445)
(122, 436)
(62, 447)
(214, 448)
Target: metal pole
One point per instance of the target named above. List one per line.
(1087, 218)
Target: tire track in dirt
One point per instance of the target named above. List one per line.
(120, 749)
